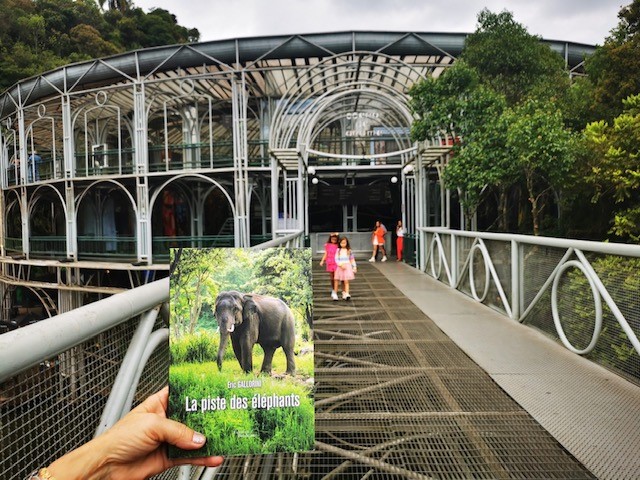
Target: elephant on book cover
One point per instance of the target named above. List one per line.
(251, 318)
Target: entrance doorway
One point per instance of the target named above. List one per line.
(335, 207)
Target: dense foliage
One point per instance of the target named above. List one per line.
(39, 35)
(613, 167)
(198, 275)
(531, 145)
(614, 69)
(500, 100)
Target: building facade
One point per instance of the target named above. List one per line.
(107, 164)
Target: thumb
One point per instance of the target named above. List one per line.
(180, 435)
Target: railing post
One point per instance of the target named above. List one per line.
(422, 249)
(120, 389)
(454, 260)
(157, 338)
(516, 283)
(184, 472)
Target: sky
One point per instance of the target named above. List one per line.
(581, 21)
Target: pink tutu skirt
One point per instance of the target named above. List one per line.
(345, 273)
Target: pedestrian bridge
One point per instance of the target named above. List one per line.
(414, 378)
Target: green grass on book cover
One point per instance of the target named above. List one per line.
(242, 413)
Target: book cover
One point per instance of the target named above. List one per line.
(241, 343)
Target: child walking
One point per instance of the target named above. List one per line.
(346, 267)
(329, 257)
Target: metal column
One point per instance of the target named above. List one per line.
(144, 240)
(240, 161)
(68, 149)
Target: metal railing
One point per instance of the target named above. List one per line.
(56, 375)
(584, 294)
(68, 378)
(110, 246)
(293, 239)
(360, 242)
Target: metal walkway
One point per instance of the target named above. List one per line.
(397, 398)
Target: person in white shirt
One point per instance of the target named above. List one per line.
(399, 240)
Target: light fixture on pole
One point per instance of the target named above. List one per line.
(394, 179)
(314, 180)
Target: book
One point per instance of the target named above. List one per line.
(241, 370)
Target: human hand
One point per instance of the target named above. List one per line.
(134, 447)
(321, 262)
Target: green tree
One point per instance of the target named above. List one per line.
(440, 104)
(458, 104)
(512, 61)
(136, 29)
(191, 286)
(541, 149)
(286, 273)
(40, 35)
(614, 69)
(501, 66)
(613, 158)
(482, 163)
(89, 42)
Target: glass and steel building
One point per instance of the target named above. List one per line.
(107, 164)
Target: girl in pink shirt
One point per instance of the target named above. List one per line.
(330, 258)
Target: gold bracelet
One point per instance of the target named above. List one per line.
(42, 474)
(45, 474)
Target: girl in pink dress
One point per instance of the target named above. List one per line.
(347, 267)
(330, 258)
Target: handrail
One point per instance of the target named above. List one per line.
(285, 241)
(55, 338)
(32, 344)
(591, 246)
(541, 284)
(25, 347)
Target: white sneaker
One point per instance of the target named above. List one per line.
(384, 259)
(334, 295)
(346, 297)
(372, 259)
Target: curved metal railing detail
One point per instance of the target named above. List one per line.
(535, 280)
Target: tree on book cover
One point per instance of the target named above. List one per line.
(255, 396)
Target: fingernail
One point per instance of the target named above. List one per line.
(198, 438)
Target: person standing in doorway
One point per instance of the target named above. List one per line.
(377, 238)
(33, 164)
(329, 257)
(346, 267)
(399, 240)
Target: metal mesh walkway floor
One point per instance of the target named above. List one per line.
(396, 398)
